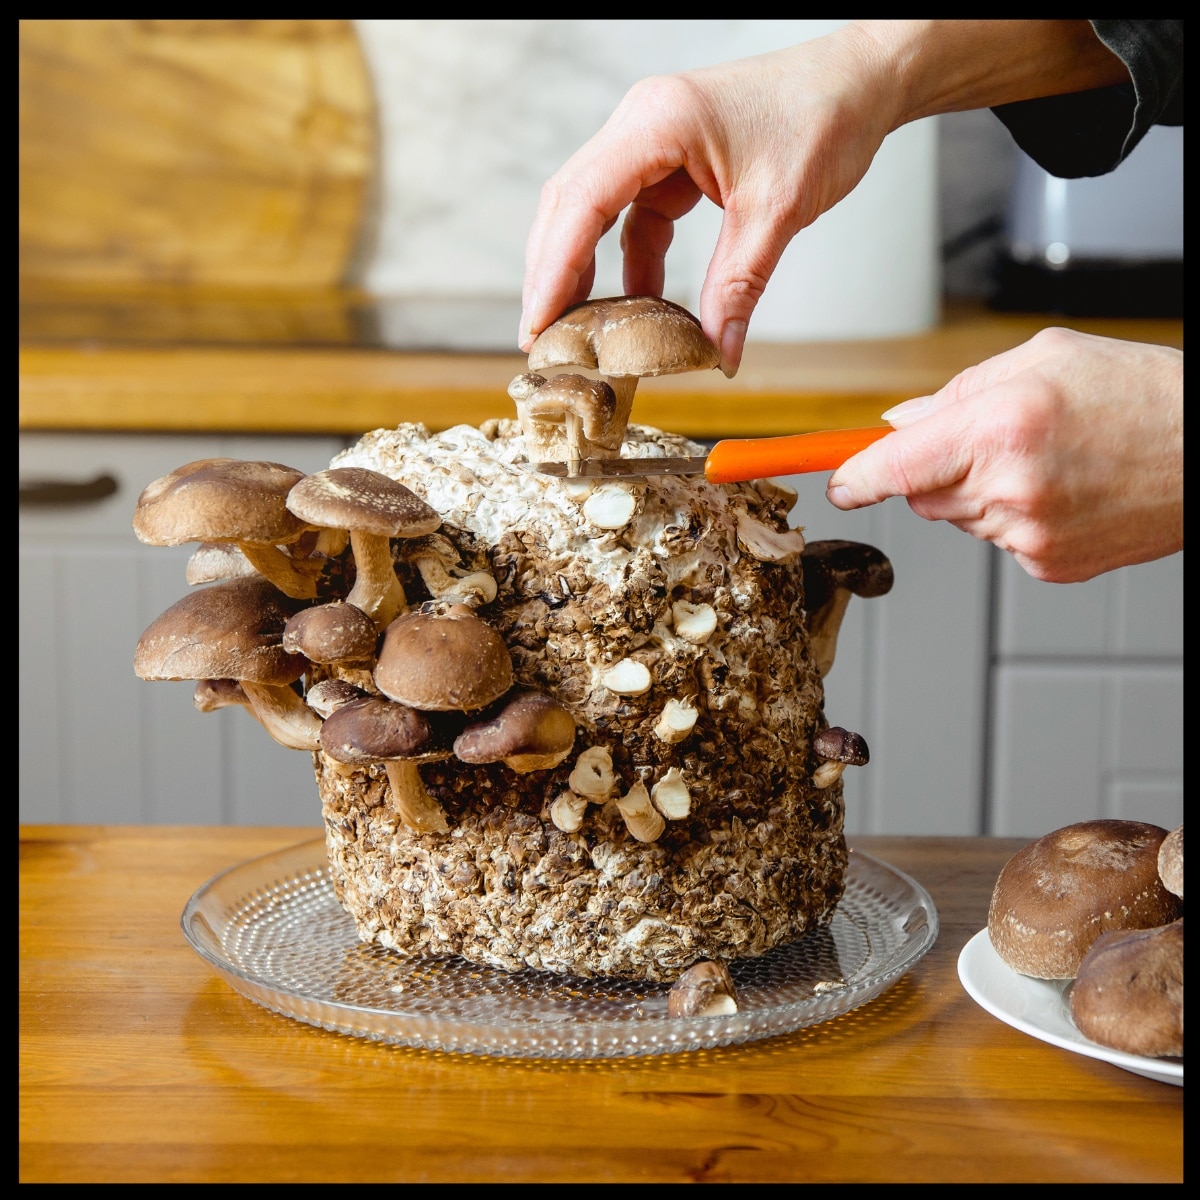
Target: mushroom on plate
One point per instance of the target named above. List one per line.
(234, 630)
(705, 989)
(373, 508)
(624, 338)
(229, 501)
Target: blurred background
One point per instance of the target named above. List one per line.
(369, 184)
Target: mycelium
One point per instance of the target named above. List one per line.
(582, 735)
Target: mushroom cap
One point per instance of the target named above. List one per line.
(1128, 993)
(530, 732)
(336, 632)
(1057, 895)
(358, 498)
(591, 400)
(443, 661)
(326, 696)
(229, 630)
(1170, 861)
(372, 730)
(836, 744)
(219, 500)
(835, 563)
(625, 335)
(705, 988)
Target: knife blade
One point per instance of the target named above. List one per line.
(733, 460)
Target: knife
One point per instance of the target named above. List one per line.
(733, 460)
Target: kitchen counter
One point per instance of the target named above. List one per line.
(311, 364)
(139, 1063)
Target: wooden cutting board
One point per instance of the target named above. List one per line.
(198, 152)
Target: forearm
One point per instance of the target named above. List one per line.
(932, 67)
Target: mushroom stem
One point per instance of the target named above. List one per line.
(624, 387)
(284, 715)
(271, 562)
(417, 808)
(376, 589)
(823, 627)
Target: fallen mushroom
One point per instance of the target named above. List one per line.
(624, 338)
(229, 501)
(234, 630)
(838, 749)
(705, 989)
(373, 730)
(530, 732)
(835, 570)
(437, 562)
(374, 509)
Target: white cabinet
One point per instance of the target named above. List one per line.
(1087, 699)
(97, 744)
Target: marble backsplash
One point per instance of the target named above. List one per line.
(475, 114)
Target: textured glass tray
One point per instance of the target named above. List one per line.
(277, 933)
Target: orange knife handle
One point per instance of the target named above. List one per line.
(737, 459)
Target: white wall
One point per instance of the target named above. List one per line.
(475, 115)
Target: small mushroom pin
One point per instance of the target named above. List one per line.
(838, 749)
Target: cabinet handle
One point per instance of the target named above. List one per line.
(46, 492)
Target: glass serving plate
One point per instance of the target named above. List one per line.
(277, 933)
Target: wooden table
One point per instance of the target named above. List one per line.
(139, 1063)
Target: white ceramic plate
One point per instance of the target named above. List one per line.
(1039, 1008)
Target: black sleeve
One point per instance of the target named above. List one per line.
(1090, 133)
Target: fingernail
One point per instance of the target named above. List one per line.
(906, 408)
(840, 497)
(733, 338)
(524, 338)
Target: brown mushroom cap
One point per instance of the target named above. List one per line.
(332, 633)
(1128, 993)
(530, 732)
(705, 989)
(625, 335)
(1057, 895)
(359, 498)
(374, 508)
(835, 570)
(836, 744)
(229, 630)
(1170, 861)
(371, 730)
(379, 731)
(223, 500)
(443, 661)
(219, 500)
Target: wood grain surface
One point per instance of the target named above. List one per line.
(192, 151)
(138, 1063)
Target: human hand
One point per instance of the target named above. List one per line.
(774, 140)
(1066, 451)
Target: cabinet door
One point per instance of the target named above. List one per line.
(1088, 699)
(97, 744)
